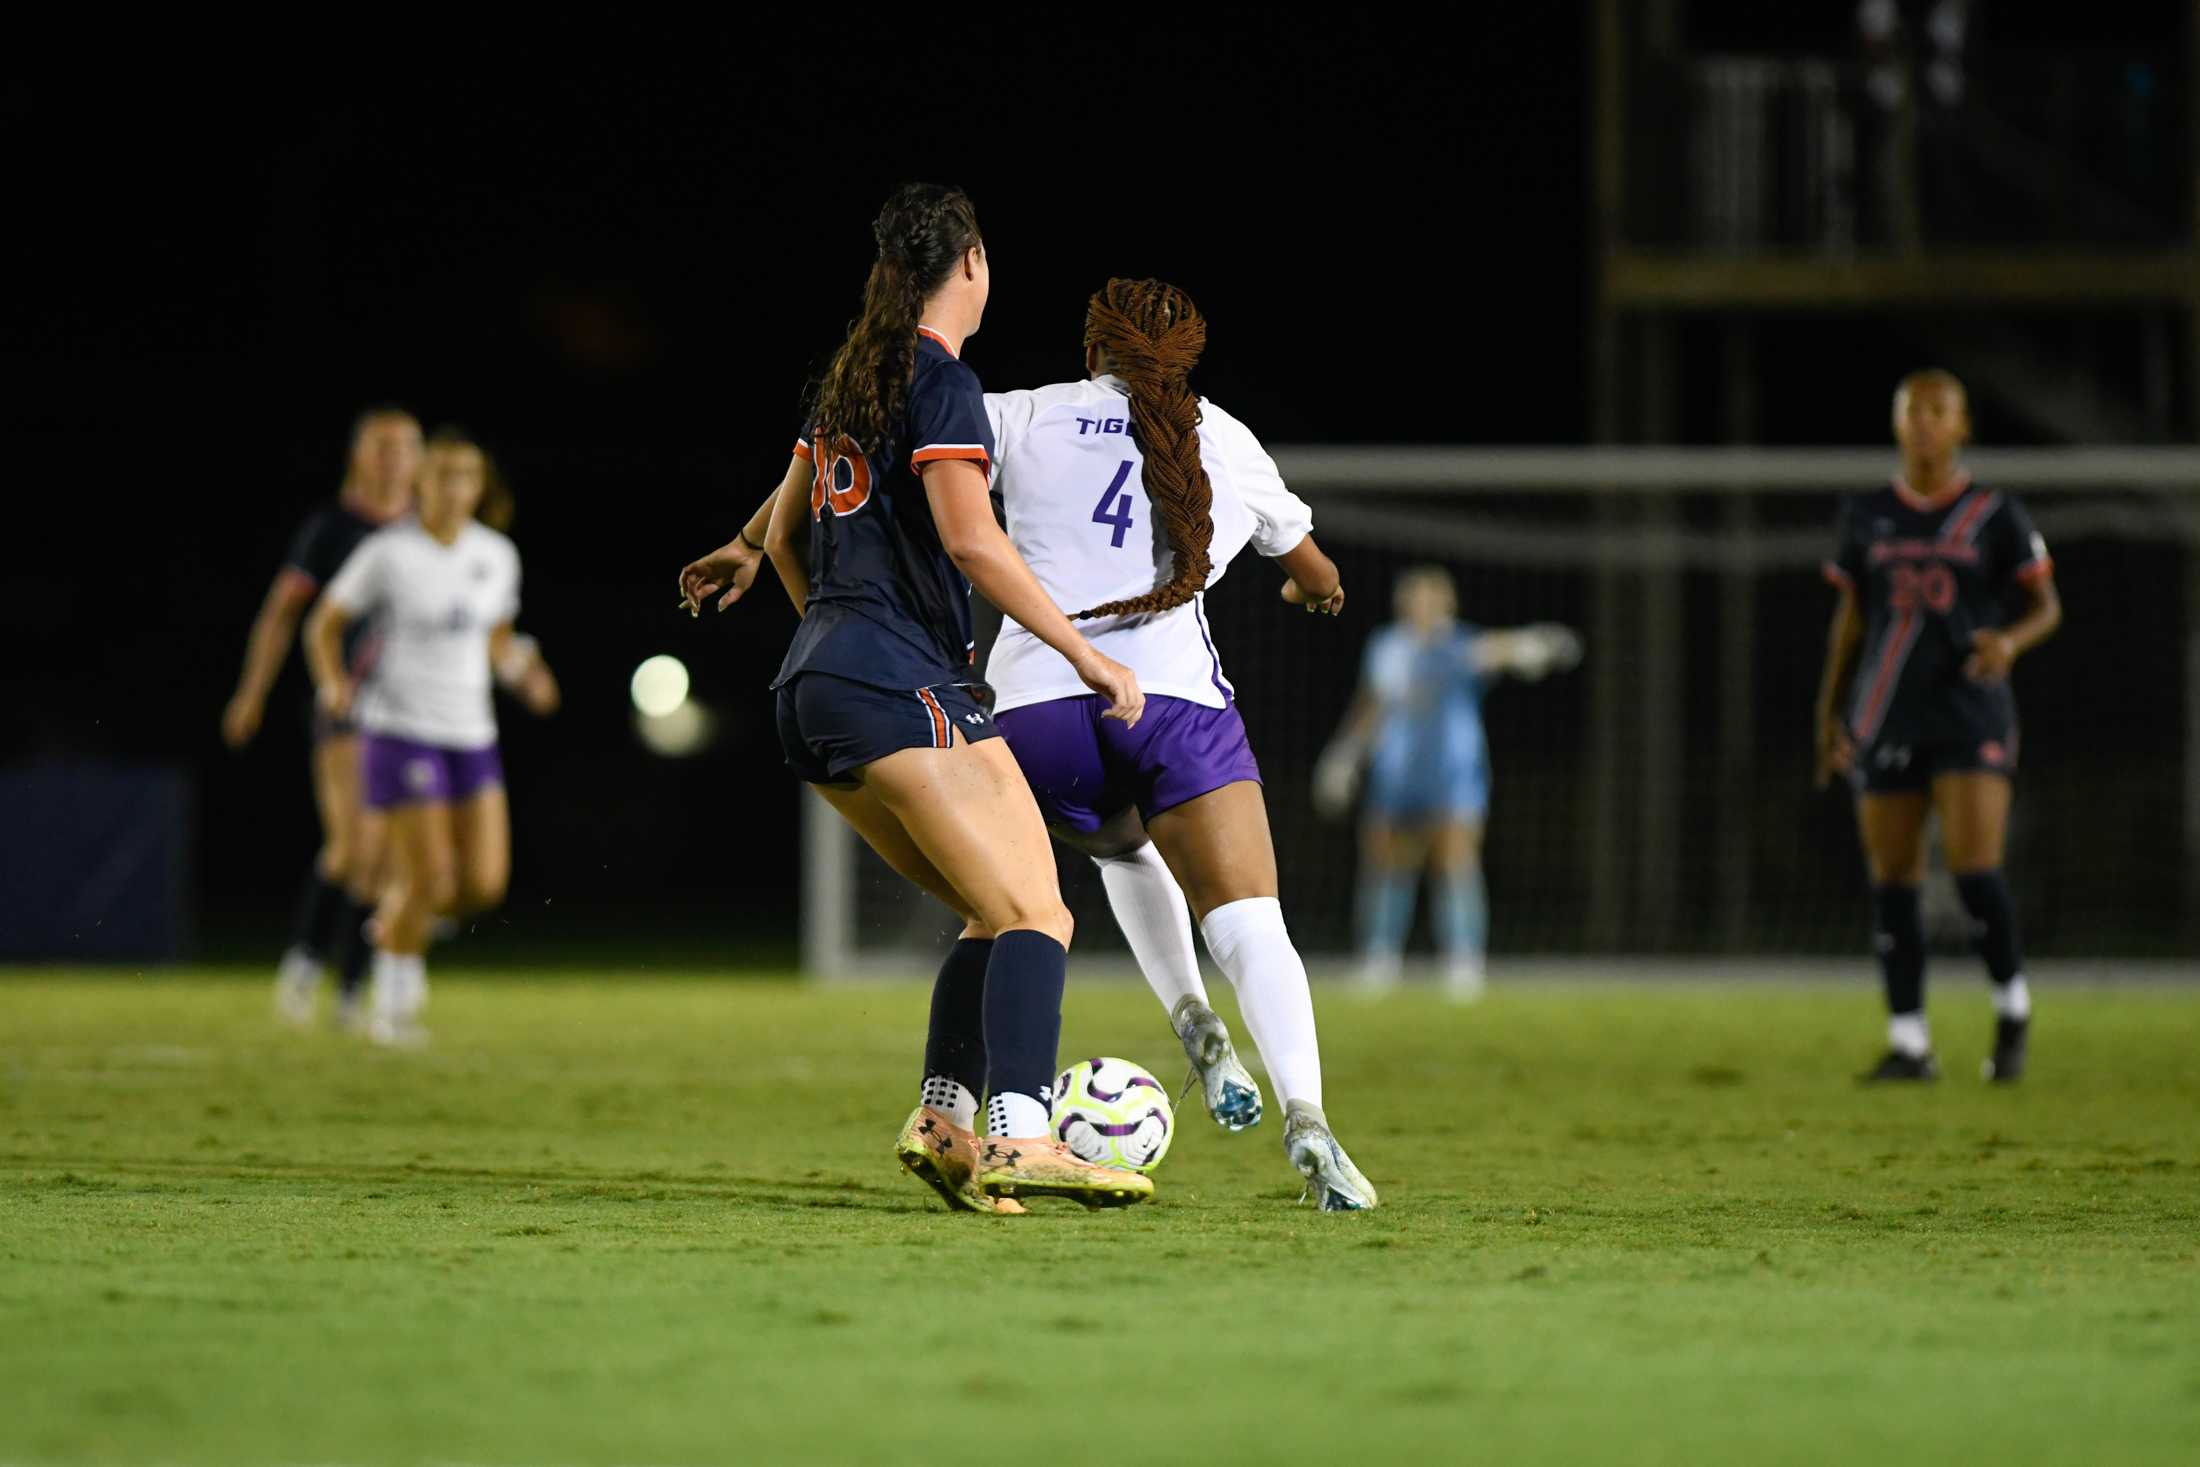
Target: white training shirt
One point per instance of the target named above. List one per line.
(434, 606)
(1069, 475)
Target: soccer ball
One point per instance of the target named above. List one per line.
(1112, 1112)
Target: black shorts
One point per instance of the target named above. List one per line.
(1891, 766)
(830, 727)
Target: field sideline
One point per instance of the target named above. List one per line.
(654, 1222)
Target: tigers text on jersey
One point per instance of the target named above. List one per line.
(318, 551)
(888, 607)
(1927, 573)
(434, 606)
(1069, 476)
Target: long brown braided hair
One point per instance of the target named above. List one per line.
(1153, 335)
(922, 233)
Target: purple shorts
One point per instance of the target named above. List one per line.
(404, 772)
(1084, 768)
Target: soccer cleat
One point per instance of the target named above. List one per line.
(943, 1156)
(1895, 1065)
(1378, 975)
(1043, 1167)
(1466, 979)
(1232, 1097)
(393, 1032)
(297, 987)
(1332, 1181)
(2007, 1064)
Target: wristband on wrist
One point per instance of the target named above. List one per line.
(743, 535)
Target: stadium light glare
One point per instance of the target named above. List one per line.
(686, 730)
(660, 686)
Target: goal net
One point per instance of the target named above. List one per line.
(1657, 800)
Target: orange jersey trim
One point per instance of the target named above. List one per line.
(2033, 571)
(928, 331)
(1836, 576)
(802, 451)
(934, 455)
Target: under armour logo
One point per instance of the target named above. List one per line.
(973, 718)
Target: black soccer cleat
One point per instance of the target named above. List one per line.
(2007, 1065)
(1899, 1066)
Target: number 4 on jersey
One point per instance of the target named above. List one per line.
(1109, 512)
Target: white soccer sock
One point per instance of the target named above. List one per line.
(400, 985)
(1150, 909)
(2013, 1000)
(953, 1097)
(1251, 945)
(1018, 1117)
(1907, 1034)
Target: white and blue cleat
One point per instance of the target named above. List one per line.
(1332, 1181)
(1232, 1097)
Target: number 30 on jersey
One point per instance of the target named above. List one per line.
(843, 478)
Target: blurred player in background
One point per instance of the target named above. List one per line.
(1416, 724)
(1929, 570)
(1129, 495)
(879, 710)
(443, 589)
(339, 888)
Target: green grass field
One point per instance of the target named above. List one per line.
(655, 1222)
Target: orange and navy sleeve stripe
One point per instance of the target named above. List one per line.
(1835, 576)
(802, 451)
(938, 452)
(2035, 570)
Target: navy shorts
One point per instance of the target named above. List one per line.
(1891, 767)
(1083, 767)
(830, 727)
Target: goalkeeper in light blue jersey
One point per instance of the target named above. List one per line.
(1416, 728)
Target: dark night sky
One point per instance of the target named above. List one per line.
(620, 260)
(619, 257)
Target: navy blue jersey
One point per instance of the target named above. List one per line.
(887, 606)
(1927, 574)
(318, 551)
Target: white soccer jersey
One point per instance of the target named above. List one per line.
(434, 606)
(1068, 473)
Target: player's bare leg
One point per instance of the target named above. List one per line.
(1220, 847)
(481, 830)
(969, 812)
(1893, 829)
(423, 881)
(1974, 830)
(936, 1145)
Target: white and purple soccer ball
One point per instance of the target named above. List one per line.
(1113, 1112)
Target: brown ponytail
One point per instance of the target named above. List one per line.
(922, 233)
(1153, 334)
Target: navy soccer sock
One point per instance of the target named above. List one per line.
(1986, 897)
(1023, 1028)
(954, 1045)
(353, 953)
(1900, 939)
(321, 905)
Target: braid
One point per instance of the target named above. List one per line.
(1153, 335)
